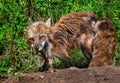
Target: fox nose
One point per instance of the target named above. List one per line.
(36, 47)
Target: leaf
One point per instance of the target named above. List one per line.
(3, 68)
(3, 63)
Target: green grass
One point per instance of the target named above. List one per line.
(77, 58)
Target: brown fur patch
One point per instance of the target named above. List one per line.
(70, 28)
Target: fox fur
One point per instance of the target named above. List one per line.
(72, 30)
(104, 43)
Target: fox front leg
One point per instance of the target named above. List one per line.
(47, 64)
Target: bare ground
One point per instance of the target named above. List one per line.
(71, 75)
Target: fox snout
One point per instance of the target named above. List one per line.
(38, 47)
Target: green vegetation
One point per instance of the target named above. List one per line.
(15, 57)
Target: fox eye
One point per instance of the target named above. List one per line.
(40, 37)
(30, 40)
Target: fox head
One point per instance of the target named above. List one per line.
(37, 35)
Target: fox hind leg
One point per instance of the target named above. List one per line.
(87, 54)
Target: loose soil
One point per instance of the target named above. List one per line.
(71, 75)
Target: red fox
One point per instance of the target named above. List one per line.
(104, 43)
(72, 30)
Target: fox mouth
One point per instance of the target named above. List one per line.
(38, 47)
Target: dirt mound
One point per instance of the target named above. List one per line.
(71, 75)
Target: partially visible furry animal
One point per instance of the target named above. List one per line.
(72, 30)
(96, 39)
(104, 43)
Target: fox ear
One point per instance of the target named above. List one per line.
(48, 22)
